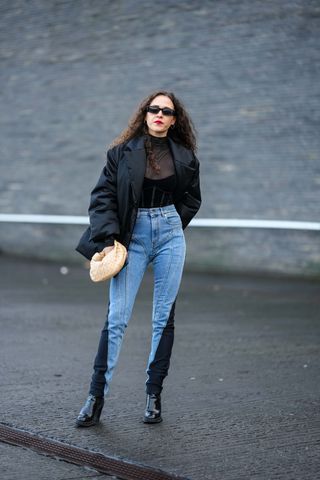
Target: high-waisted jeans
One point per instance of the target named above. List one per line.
(158, 239)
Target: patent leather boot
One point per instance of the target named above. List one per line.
(90, 413)
(152, 413)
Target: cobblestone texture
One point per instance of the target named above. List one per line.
(241, 400)
(72, 72)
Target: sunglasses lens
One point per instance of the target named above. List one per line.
(153, 110)
(166, 110)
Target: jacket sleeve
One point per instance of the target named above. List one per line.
(190, 203)
(103, 208)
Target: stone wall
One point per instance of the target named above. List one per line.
(72, 73)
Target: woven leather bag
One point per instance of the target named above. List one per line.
(104, 266)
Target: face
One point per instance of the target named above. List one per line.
(159, 124)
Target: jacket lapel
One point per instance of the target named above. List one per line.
(135, 156)
(182, 158)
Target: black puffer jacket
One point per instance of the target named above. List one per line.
(115, 198)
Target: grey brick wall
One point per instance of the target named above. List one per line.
(72, 72)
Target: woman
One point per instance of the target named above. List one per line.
(147, 194)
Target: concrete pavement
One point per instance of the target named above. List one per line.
(241, 400)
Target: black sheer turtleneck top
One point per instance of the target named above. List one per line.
(158, 187)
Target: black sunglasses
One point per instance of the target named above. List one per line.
(156, 109)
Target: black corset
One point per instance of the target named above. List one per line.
(157, 193)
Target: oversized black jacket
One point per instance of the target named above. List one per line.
(115, 198)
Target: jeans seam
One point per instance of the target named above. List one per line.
(141, 244)
(156, 309)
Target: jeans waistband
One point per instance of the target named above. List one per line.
(156, 210)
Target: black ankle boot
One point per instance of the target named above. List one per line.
(90, 413)
(152, 413)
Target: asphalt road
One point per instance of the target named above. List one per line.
(241, 400)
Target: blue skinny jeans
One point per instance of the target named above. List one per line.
(158, 239)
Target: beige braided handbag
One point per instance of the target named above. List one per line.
(104, 266)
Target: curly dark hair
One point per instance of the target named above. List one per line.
(183, 132)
